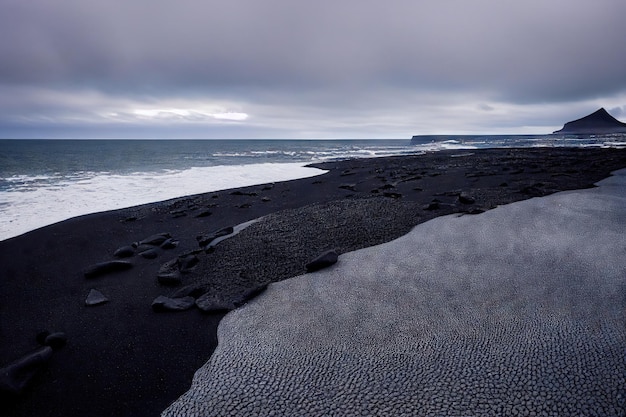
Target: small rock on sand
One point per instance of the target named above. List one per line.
(162, 303)
(95, 298)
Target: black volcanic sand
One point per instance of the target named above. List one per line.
(124, 359)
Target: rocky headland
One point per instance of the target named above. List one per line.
(598, 122)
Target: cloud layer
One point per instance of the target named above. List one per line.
(331, 68)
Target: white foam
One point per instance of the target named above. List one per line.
(26, 207)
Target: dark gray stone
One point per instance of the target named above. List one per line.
(193, 290)
(16, 376)
(170, 279)
(106, 268)
(169, 244)
(162, 303)
(149, 254)
(465, 198)
(206, 240)
(124, 252)
(155, 240)
(325, 260)
(95, 298)
(205, 213)
(186, 262)
(56, 340)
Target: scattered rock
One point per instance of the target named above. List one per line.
(350, 187)
(266, 199)
(193, 290)
(186, 262)
(107, 267)
(56, 340)
(95, 298)
(433, 205)
(169, 244)
(155, 240)
(206, 240)
(205, 213)
(465, 198)
(244, 206)
(124, 252)
(392, 195)
(143, 248)
(170, 279)
(238, 192)
(149, 254)
(178, 213)
(162, 303)
(325, 260)
(129, 219)
(169, 273)
(16, 376)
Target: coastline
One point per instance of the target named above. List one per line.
(122, 358)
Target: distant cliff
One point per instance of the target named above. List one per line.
(598, 122)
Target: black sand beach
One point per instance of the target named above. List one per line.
(122, 358)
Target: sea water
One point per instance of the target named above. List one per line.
(46, 181)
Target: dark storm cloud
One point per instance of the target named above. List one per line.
(333, 54)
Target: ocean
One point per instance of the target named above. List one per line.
(47, 181)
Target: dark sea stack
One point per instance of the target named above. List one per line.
(598, 122)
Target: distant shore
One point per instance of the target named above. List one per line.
(124, 359)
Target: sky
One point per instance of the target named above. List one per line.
(316, 69)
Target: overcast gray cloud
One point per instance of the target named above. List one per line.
(254, 68)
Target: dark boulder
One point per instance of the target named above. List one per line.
(205, 240)
(187, 262)
(155, 240)
(325, 260)
(55, 340)
(169, 244)
(16, 376)
(170, 279)
(465, 198)
(107, 267)
(124, 252)
(149, 254)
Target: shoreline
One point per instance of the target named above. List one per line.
(122, 358)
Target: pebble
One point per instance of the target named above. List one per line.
(95, 298)
(162, 303)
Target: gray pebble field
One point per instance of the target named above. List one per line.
(519, 311)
